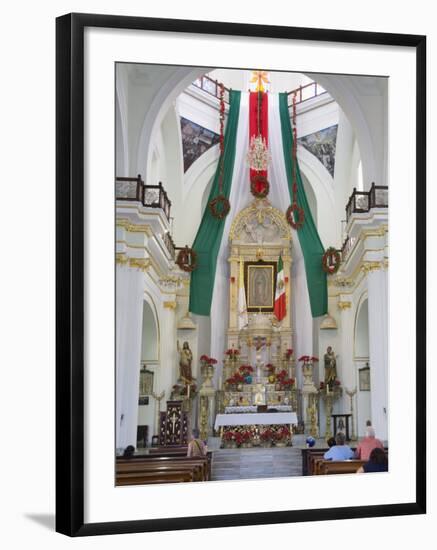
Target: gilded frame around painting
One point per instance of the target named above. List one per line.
(260, 282)
(71, 194)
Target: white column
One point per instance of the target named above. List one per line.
(345, 361)
(129, 318)
(169, 363)
(378, 348)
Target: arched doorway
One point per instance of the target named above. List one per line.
(148, 372)
(362, 366)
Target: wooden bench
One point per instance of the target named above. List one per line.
(327, 467)
(198, 467)
(311, 459)
(143, 469)
(146, 478)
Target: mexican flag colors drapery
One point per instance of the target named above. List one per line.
(210, 238)
(210, 233)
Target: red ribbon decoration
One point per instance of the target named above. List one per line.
(258, 126)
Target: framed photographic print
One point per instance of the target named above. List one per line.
(205, 171)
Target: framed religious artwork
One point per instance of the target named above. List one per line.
(179, 158)
(260, 278)
(364, 378)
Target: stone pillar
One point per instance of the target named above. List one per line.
(378, 345)
(129, 319)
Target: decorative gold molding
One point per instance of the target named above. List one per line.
(140, 263)
(171, 304)
(134, 228)
(121, 258)
(344, 305)
(260, 209)
(371, 266)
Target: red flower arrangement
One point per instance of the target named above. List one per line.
(232, 352)
(228, 436)
(288, 353)
(322, 385)
(337, 383)
(288, 382)
(281, 375)
(266, 435)
(204, 358)
(246, 436)
(282, 433)
(306, 358)
(212, 361)
(246, 369)
(270, 367)
(238, 438)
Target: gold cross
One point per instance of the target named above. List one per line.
(260, 77)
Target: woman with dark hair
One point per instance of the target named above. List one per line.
(377, 462)
(129, 451)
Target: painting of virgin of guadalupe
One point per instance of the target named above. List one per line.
(260, 281)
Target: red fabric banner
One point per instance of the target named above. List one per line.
(258, 122)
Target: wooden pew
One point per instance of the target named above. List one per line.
(198, 467)
(327, 467)
(170, 457)
(145, 478)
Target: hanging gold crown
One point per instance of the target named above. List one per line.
(258, 155)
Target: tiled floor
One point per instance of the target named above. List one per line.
(256, 463)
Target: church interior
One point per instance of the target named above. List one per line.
(251, 213)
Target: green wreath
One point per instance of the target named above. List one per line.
(219, 207)
(327, 265)
(187, 259)
(300, 216)
(259, 186)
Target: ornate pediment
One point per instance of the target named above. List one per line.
(260, 222)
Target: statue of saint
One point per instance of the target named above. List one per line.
(185, 360)
(330, 367)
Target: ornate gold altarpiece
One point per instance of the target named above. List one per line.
(258, 235)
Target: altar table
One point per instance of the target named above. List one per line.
(250, 419)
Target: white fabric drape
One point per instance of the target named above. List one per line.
(279, 196)
(240, 197)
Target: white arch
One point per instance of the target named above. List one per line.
(322, 184)
(180, 79)
(121, 117)
(343, 90)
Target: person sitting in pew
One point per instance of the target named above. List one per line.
(196, 447)
(129, 451)
(339, 451)
(331, 442)
(377, 462)
(367, 444)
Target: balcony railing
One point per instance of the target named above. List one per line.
(134, 189)
(363, 201)
(303, 93)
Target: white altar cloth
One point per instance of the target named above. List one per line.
(248, 419)
(254, 408)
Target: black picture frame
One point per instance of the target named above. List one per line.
(70, 272)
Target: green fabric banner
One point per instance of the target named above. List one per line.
(209, 236)
(309, 239)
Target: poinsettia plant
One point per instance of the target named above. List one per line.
(270, 368)
(288, 353)
(233, 353)
(246, 369)
(266, 435)
(307, 358)
(282, 433)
